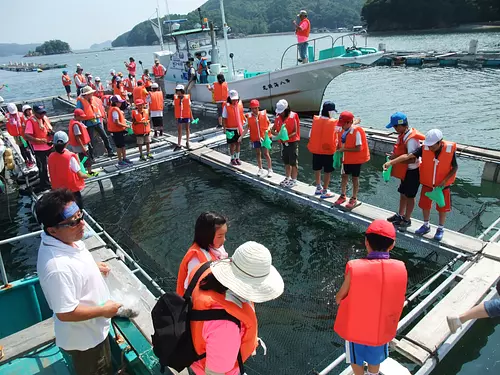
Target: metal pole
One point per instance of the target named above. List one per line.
(21, 237)
(332, 365)
(162, 47)
(226, 43)
(3, 272)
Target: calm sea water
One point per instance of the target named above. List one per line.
(309, 248)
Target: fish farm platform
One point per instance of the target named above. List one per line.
(481, 59)
(30, 67)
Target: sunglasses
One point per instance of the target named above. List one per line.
(72, 223)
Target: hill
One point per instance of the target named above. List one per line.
(8, 49)
(383, 15)
(257, 17)
(106, 44)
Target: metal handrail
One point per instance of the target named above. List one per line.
(310, 40)
(352, 37)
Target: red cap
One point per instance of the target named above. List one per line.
(345, 117)
(254, 103)
(139, 102)
(79, 113)
(141, 82)
(382, 228)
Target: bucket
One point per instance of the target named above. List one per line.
(215, 69)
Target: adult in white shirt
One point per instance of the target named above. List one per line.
(73, 285)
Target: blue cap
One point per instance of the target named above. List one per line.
(398, 118)
(329, 106)
(65, 71)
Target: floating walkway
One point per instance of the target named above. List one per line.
(30, 67)
(482, 59)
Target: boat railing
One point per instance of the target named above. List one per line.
(352, 37)
(309, 41)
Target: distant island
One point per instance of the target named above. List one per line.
(103, 45)
(383, 15)
(256, 17)
(51, 47)
(9, 49)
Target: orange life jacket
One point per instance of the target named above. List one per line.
(40, 131)
(193, 252)
(305, 33)
(15, 124)
(158, 71)
(147, 80)
(137, 119)
(290, 122)
(323, 138)
(235, 117)
(81, 77)
(157, 103)
(118, 89)
(84, 134)
(99, 90)
(401, 148)
(92, 110)
(98, 102)
(432, 170)
(221, 92)
(361, 156)
(182, 107)
(139, 92)
(201, 68)
(258, 125)
(244, 312)
(61, 175)
(370, 313)
(113, 127)
(66, 80)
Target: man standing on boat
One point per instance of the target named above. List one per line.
(73, 285)
(302, 30)
(159, 72)
(202, 68)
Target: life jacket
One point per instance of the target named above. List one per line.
(201, 68)
(140, 129)
(99, 90)
(40, 127)
(147, 80)
(363, 155)
(118, 89)
(233, 113)
(129, 85)
(401, 148)
(66, 80)
(290, 122)
(193, 252)
(82, 79)
(100, 106)
(323, 138)
(432, 170)
(221, 92)
(258, 125)
(244, 312)
(84, 134)
(15, 124)
(61, 175)
(182, 107)
(157, 103)
(106, 100)
(92, 110)
(112, 125)
(92, 86)
(158, 71)
(139, 92)
(304, 33)
(370, 313)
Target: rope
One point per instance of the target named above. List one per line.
(7, 195)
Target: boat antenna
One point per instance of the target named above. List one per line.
(226, 43)
(201, 17)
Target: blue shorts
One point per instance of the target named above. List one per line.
(183, 120)
(492, 307)
(303, 50)
(256, 145)
(358, 354)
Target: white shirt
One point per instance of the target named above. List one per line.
(412, 145)
(115, 116)
(74, 165)
(69, 276)
(219, 253)
(2, 150)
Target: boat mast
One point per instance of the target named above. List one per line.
(225, 27)
(160, 29)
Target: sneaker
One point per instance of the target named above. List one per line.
(454, 323)
(341, 200)
(187, 146)
(238, 162)
(424, 229)
(325, 194)
(177, 148)
(291, 183)
(143, 158)
(150, 156)
(352, 203)
(260, 172)
(123, 164)
(395, 219)
(439, 234)
(284, 183)
(30, 164)
(128, 161)
(319, 190)
(111, 154)
(233, 162)
(93, 174)
(218, 127)
(155, 135)
(269, 173)
(403, 224)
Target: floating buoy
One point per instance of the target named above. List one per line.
(39, 70)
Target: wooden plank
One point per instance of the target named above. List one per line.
(492, 251)
(93, 243)
(27, 340)
(432, 330)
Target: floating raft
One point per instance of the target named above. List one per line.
(482, 59)
(30, 67)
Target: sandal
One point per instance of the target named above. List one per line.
(352, 203)
(341, 200)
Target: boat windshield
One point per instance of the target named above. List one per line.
(193, 42)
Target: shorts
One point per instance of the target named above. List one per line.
(68, 89)
(324, 162)
(492, 307)
(141, 139)
(220, 107)
(290, 153)
(235, 137)
(256, 145)
(352, 169)
(89, 160)
(303, 50)
(409, 186)
(426, 204)
(93, 361)
(181, 121)
(119, 139)
(358, 354)
(157, 122)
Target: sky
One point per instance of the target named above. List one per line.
(80, 23)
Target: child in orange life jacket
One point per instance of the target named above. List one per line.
(208, 244)
(15, 127)
(233, 120)
(117, 126)
(354, 146)
(374, 284)
(156, 105)
(220, 92)
(438, 169)
(183, 114)
(142, 127)
(323, 144)
(79, 140)
(258, 126)
(66, 81)
(64, 168)
(408, 142)
(99, 88)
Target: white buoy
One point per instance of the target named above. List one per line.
(473, 46)
(382, 47)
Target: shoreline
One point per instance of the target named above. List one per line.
(465, 28)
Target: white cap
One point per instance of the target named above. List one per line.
(61, 137)
(78, 66)
(154, 86)
(281, 106)
(432, 137)
(179, 87)
(112, 71)
(97, 79)
(26, 106)
(11, 107)
(233, 95)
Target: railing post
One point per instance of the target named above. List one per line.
(3, 273)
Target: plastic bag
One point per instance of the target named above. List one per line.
(127, 296)
(195, 121)
(25, 144)
(387, 174)
(437, 196)
(230, 135)
(337, 159)
(82, 165)
(130, 131)
(266, 142)
(283, 134)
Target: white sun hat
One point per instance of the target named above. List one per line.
(179, 87)
(233, 95)
(432, 137)
(112, 71)
(11, 107)
(154, 86)
(25, 107)
(281, 106)
(87, 90)
(98, 79)
(249, 273)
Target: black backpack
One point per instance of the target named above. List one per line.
(172, 314)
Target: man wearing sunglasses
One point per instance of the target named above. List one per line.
(73, 285)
